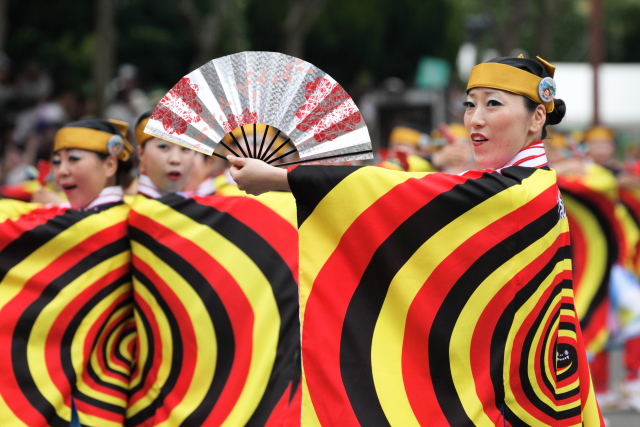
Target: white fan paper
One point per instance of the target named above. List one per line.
(278, 90)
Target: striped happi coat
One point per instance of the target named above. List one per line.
(435, 299)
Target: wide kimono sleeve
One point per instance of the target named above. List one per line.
(435, 299)
(216, 291)
(67, 332)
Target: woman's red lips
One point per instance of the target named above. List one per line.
(174, 175)
(477, 138)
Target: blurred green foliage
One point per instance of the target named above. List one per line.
(358, 42)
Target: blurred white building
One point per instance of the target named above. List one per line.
(619, 93)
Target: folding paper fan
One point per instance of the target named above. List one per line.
(293, 96)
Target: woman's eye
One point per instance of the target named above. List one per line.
(163, 146)
(468, 104)
(493, 103)
(74, 158)
(55, 162)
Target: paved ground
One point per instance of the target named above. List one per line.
(620, 418)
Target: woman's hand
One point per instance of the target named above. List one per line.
(256, 177)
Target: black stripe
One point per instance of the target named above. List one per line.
(286, 366)
(367, 300)
(25, 323)
(310, 184)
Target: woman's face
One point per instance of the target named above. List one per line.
(166, 164)
(82, 174)
(499, 126)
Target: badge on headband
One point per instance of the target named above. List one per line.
(115, 145)
(547, 89)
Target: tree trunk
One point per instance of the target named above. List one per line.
(544, 26)
(104, 55)
(3, 23)
(299, 20)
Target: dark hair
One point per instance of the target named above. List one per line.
(553, 118)
(124, 178)
(96, 124)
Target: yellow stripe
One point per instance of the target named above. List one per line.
(9, 418)
(597, 344)
(309, 416)
(387, 339)
(13, 209)
(629, 231)
(253, 284)
(282, 203)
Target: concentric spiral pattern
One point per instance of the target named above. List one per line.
(66, 305)
(215, 284)
(440, 300)
(595, 236)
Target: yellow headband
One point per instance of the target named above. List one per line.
(405, 135)
(92, 140)
(505, 77)
(599, 132)
(141, 136)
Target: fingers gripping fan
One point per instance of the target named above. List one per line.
(308, 116)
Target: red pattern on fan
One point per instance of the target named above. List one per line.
(327, 102)
(181, 98)
(247, 117)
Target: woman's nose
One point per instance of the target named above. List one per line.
(477, 119)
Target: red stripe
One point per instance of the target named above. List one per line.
(532, 157)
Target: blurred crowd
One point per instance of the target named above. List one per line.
(34, 105)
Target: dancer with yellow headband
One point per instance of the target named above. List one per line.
(92, 162)
(440, 299)
(164, 166)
